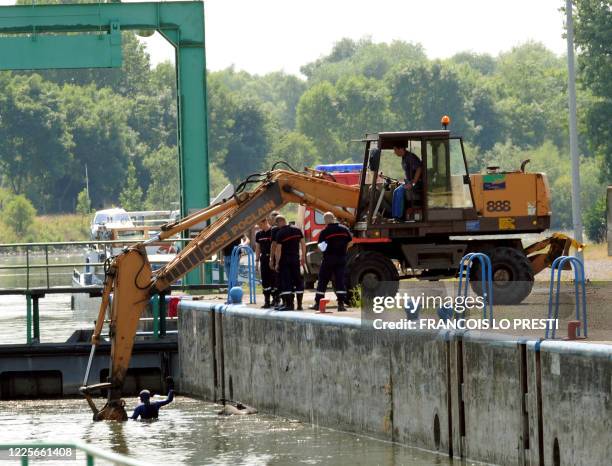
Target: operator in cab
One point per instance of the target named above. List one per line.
(413, 186)
(290, 240)
(263, 243)
(148, 409)
(333, 242)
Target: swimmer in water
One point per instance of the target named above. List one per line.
(150, 409)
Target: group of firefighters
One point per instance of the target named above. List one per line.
(281, 249)
(280, 252)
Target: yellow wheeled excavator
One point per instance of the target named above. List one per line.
(458, 213)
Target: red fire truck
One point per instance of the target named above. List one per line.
(345, 173)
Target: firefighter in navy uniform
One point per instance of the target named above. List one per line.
(333, 241)
(263, 242)
(290, 241)
(272, 264)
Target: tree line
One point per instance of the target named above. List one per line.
(120, 124)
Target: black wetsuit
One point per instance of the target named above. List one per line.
(150, 410)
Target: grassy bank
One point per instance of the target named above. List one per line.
(48, 228)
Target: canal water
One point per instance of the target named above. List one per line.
(189, 432)
(57, 321)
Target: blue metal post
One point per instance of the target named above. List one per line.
(232, 279)
(486, 277)
(579, 281)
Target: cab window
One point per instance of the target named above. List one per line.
(446, 174)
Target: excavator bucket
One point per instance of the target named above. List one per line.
(558, 245)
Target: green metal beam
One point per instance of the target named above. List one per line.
(182, 24)
(188, 17)
(39, 52)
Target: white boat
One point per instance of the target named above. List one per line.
(92, 272)
(107, 219)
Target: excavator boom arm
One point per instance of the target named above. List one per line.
(132, 281)
(281, 187)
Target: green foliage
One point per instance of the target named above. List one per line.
(163, 191)
(121, 123)
(278, 92)
(422, 93)
(593, 36)
(218, 180)
(331, 115)
(36, 145)
(240, 131)
(362, 58)
(483, 63)
(295, 149)
(531, 83)
(131, 196)
(18, 214)
(83, 205)
(595, 221)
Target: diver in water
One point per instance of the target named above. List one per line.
(150, 409)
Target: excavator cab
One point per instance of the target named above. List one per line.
(443, 194)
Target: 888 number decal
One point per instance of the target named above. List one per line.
(498, 206)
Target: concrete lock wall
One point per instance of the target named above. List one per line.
(571, 385)
(489, 423)
(498, 399)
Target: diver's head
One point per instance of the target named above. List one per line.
(145, 396)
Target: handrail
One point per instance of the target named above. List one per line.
(85, 243)
(91, 452)
(579, 279)
(486, 272)
(233, 272)
(28, 250)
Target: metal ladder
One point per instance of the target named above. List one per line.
(232, 279)
(579, 282)
(486, 277)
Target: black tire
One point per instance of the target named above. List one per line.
(374, 272)
(512, 275)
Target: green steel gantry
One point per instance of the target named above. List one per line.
(27, 44)
(89, 36)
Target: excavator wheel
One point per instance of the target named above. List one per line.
(512, 275)
(373, 272)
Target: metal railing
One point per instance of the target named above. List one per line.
(28, 249)
(24, 452)
(34, 293)
(579, 293)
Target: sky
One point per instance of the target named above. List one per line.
(282, 35)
